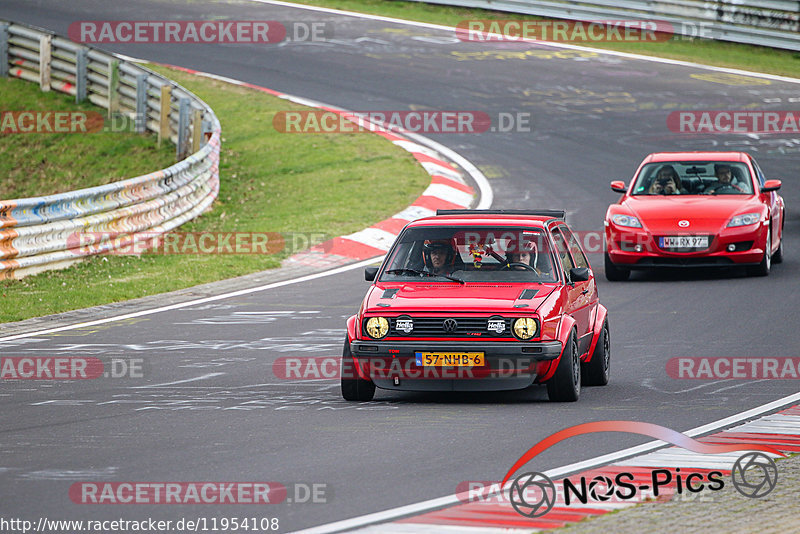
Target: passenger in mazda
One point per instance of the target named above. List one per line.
(667, 182)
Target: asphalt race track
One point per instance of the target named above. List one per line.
(210, 408)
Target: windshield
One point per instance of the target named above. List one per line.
(694, 178)
(479, 254)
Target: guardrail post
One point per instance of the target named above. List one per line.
(45, 50)
(197, 130)
(113, 84)
(141, 103)
(80, 75)
(163, 119)
(4, 50)
(183, 127)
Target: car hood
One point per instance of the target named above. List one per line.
(452, 297)
(704, 213)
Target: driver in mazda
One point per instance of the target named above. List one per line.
(724, 175)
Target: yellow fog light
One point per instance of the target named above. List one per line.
(377, 327)
(524, 328)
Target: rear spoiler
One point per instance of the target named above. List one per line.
(557, 214)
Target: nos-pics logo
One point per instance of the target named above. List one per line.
(533, 494)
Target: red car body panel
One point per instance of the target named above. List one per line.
(694, 214)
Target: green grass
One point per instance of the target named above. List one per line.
(723, 54)
(40, 164)
(329, 184)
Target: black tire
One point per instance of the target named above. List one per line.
(354, 389)
(614, 273)
(778, 256)
(763, 268)
(565, 385)
(597, 371)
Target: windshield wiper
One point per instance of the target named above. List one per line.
(425, 273)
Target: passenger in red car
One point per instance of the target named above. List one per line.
(667, 182)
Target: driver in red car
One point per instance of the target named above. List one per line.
(524, 253)
(724, 175)
(439, 256)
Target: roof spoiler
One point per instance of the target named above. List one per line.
(558, 214)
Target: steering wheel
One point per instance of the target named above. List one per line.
(722, 188)
(518, 264)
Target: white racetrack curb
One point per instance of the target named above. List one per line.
(457, 513)
(448, 188)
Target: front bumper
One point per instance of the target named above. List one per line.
(638, 249)
(508, 364)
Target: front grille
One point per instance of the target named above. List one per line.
(468, 327)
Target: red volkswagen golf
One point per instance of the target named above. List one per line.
(695, 209)
(478, 301)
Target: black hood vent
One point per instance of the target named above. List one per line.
(527, 294)
(390, 293)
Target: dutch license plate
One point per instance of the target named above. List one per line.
(450, 359)
(684, 241)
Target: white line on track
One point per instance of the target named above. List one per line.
(195, 379)
(448, 500)
(565, 46)
(188, 303)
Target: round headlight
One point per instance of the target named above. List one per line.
(377, 327)
(524, 328)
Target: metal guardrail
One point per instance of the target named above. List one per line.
(54, 231)
(771, 23)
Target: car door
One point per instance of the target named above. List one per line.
(772, 201)
(581, 298)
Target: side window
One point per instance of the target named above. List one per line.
(575, 248)
(759, 174)
(562, 251)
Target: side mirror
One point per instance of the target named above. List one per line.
(618, 186)
(370, 273)
(771, 185)
(579, 274)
